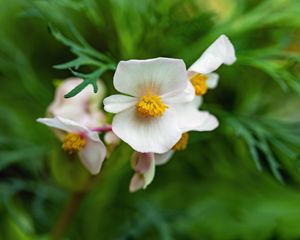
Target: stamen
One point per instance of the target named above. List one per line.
(182, 143)
(199, 83)
(73, 143)
(151, 106)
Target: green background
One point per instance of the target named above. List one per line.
(240, 181)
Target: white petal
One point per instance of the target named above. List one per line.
(221, 51)
(158, 75)
(63, 88)
(137, 182)
(141, 162)
(149, 175)
(156, 135)
(82, 108)
(64, 124)
(212, 81)
(163, 158)
(144, 165)
(191, 119)
(186, 95)
(118, 103)
(93, 154)
(111, 138)
(197, 102)
(209, 124)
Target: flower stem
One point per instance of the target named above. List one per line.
(107, 128)
(66, 217)
(70, 209)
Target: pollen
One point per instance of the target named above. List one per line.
(151, 106)
(182, 143)
(199, 83)
(73, 143)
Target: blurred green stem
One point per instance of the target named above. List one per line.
(70, 209)
(67, 215)
(114, 167)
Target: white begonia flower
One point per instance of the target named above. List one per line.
(79, 139)
(83, 108)
(201, 74)
(147, 119)
(188, 115)
(144, 166)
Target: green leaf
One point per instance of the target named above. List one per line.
(90, 78)
(86, 56)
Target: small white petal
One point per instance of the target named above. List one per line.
(163, 158)
(158, 75)
(209, 124)
(111, 138)
(212, 81)
(191, 119)
(64, 124)
(144, 165)
(197, 102)
(141, 162)
(93, 154)
(143, 134)
(118, 103)
(221, 51)
(137, 182)
(149, 175)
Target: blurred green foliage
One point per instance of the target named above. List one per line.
(240, 182)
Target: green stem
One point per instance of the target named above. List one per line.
(70, 209)
(66, 217)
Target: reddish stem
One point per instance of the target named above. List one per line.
(107, 128)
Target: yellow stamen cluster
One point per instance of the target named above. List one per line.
(151, 106)
(199, 83)
(73, 143)
(182, 143)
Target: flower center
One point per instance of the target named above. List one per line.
(151, 106)
(182, 143)
(73, 143)
(199, 83)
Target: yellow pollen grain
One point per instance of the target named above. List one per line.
(199, 83)
(73, 143)
(151, 106)
(182, 143)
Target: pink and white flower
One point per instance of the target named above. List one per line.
(78, 139)
(83, 108)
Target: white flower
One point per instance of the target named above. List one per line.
(79, 139)
(83, 108)
(188, 115)
(147, 119)
(201, 74)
